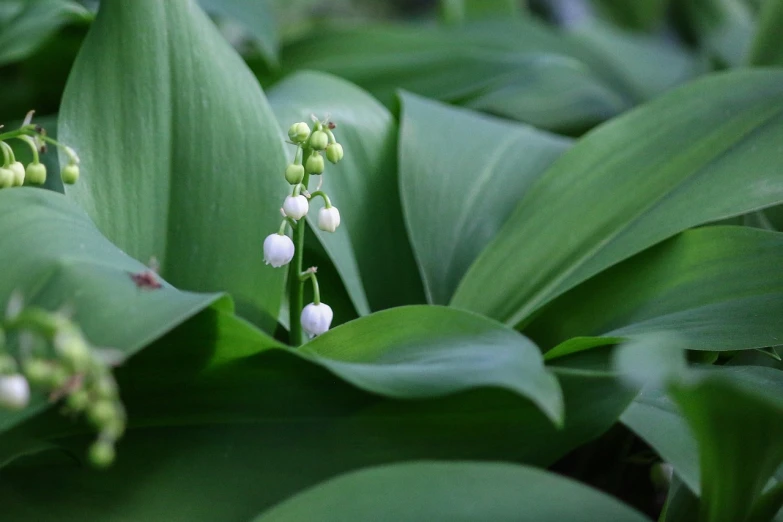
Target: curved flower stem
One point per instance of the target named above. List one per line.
(295, 284)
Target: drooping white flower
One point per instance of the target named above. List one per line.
(278, 250)
(14, 391)
(316, 318)
(296, 207)
(328, 219)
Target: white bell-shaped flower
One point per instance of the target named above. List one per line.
(278, 250)
(296, 207)
(316, 318)
(14, 391)
(328, 219)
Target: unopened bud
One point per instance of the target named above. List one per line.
(328, 219)
(316, 318)
(7, 178)
(319, 140)
(299, 132)
(106, 387)
(36, 173)
(73, 348)
(294, 174)
(78, 400)
(102, 453)
(18, 170)
(14, 391)
(101, 413)
(296, 207)
(334, 152)
(315, 164)
(70, 174)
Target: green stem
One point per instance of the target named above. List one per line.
(327, 202)
(8, 154)
(310, 274)
(295, 284)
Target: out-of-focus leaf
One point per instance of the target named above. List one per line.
(55, 257)
(724, 28)
(642, 15)
(459, 11)
(26, 25)
(181, 156)
(451, 492)
(461, 175)
(256, 17)
(767, 49)
(717, 287)
(631, 183)
(370, 249)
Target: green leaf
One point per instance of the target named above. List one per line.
(645, 15)
(459, 11)
(426, 351)
(370, 249)
(26, 25)
(718, 288)
(181, 156)
(259, 419)
(553, 92)
(55, 257)
(456, 199)
(724, 28)
(630, 184)
(428, 491)
(256, 17)
(766, 50)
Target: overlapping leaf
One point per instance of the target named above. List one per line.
(181, 155)
(633, 182)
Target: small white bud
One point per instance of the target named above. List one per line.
(296, 207)
(328, 219)
(18, 170)
(14, 391)
(316, 318)
(278, 250)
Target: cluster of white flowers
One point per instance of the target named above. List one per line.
(279, 248)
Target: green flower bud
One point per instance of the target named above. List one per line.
(315, 164)
(334, 152)
(319, 140)
(294, 174)
(70, 174)
(18, 170)
(7, 178)
(73, 348)
(78, 400)
(102, 453)
(106, 388)
(114, 429)
(299, 132)
(36, 173)
(102, 413)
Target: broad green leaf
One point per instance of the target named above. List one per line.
(55, 257)
(460, 11)
(259, 420)
(724, 28)
(551, 92)
(181, 156)
(630, 184)
(256, 17)
(428, 491)
(646, 15)
(426, 351)
(766, 50)
(26, 25)
(461, 175)
(718, 288)
(370, 249)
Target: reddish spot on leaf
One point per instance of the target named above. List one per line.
(147, 279)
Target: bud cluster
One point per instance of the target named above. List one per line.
(14, 174)
(312, 144)
(54, 356)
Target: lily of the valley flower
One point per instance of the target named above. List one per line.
(14, 391)
(328, 219)
(278, 250)
(296, 207)
(316, 318)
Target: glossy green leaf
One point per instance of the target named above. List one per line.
(456, 199)
(370, 249)
(631, 183)
(26, 25)
(425, 351)
(766, 50)
(551, 92)
(55, 257)
(429, 491)
(181, 156)
(259, 420)
(716, 287)
(256, 17)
